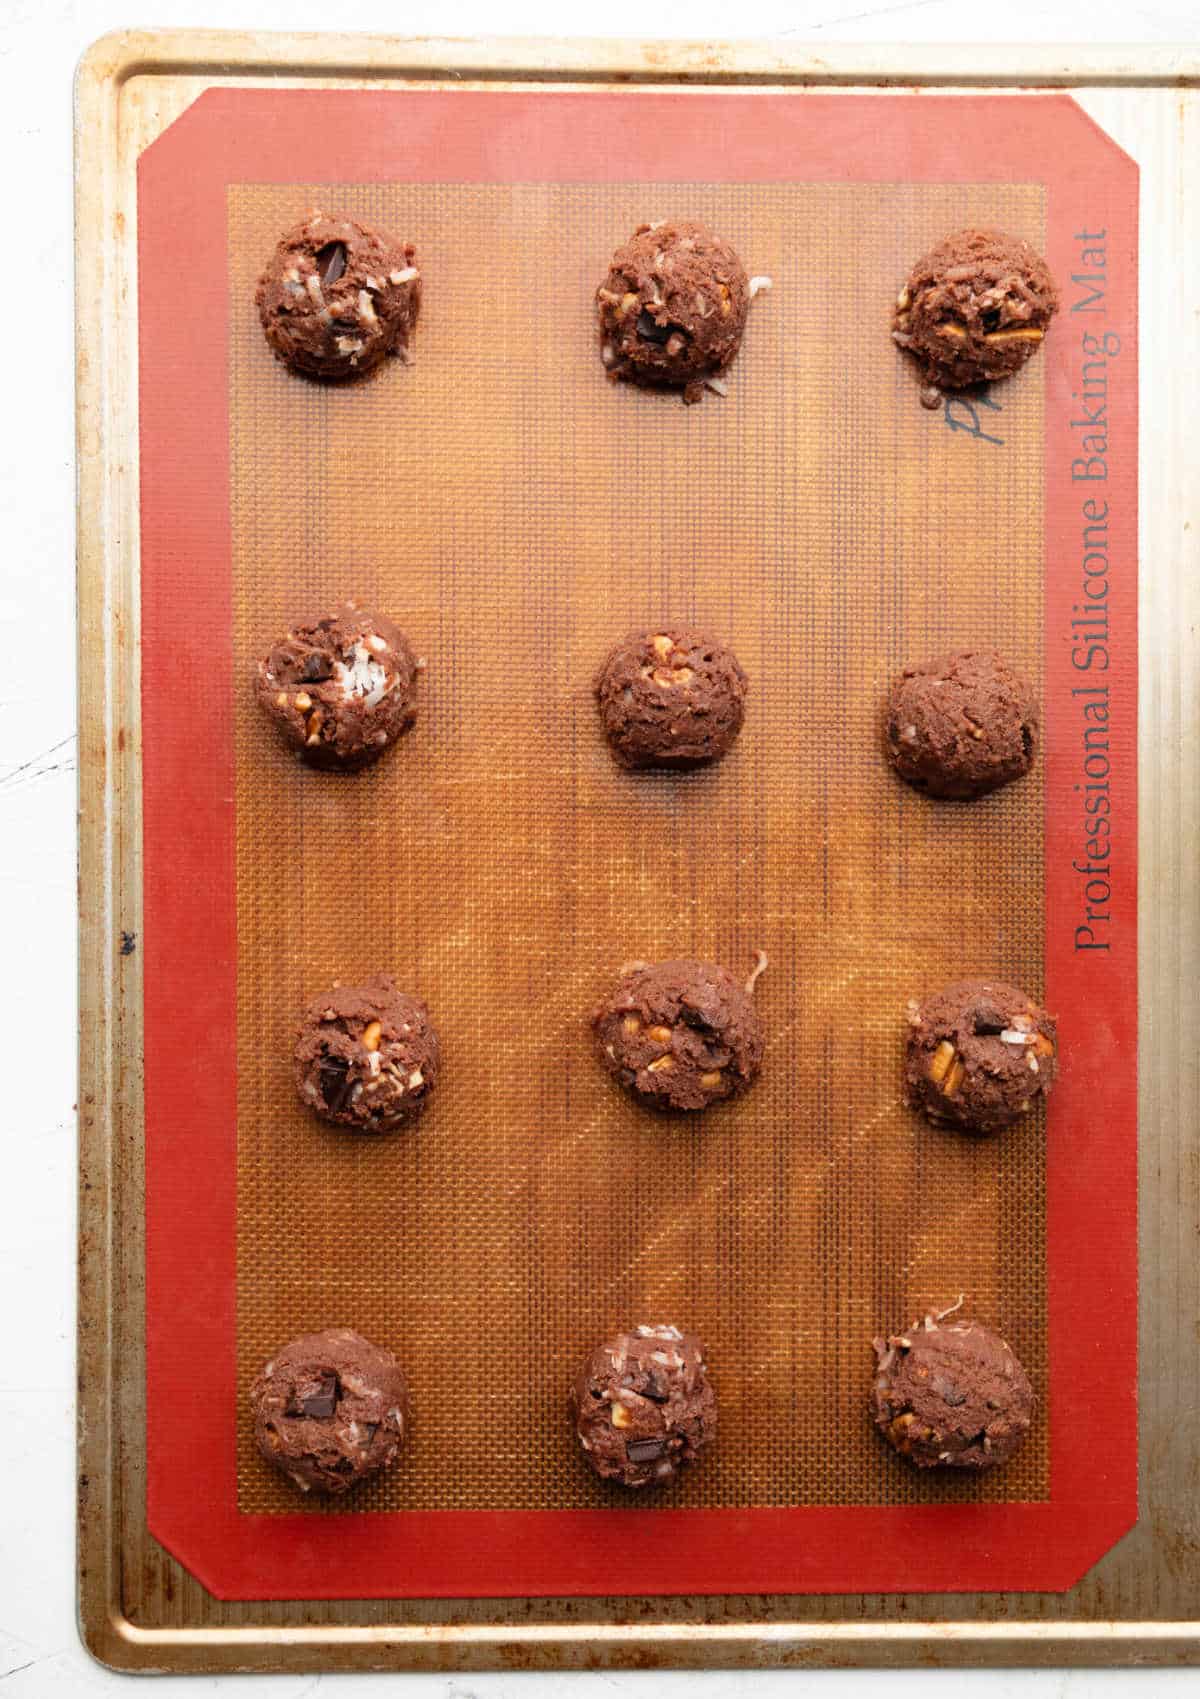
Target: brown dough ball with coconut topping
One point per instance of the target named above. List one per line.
(951, 1395)
(975, 308)
(980, 1055)
(673, 307)
(341, 688)
(962, 724)
(330, 1409)
(680, 1034)
(337, 297)
(643, 1406)
(366, 1056)
(671, 697)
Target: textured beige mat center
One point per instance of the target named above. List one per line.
(515, 513)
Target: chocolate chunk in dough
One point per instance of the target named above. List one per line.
(951, 1394)
(366, 1056)
(671, 697)
(330, 1409)
(340, 688)
(680, 1035)
(337, 297)
(975, 308)
(673, 307)
(980, 1054)
(643, 1406)
(962, 724)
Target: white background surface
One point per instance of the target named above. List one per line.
(40, 41)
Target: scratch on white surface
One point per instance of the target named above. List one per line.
(38, 766)
(859, 17)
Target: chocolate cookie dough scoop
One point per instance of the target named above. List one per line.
(330, 1409)
(671, 697)
(975, 308)
(950, 1395)
(341, 688)
(961, 724)
(673, 307)
(643, 1406)
(980, 1055)
(681, 1034)
(337, 297)
(366, 1056)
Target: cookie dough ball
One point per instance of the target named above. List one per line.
(341, 688)
(330, 1409)
(673, 307)
(975, 308)
(337, 297)
(980, 1054)
(643, 1406)
(951, 1394)
(671, 697)
(366, 1056)
(680, 1035)
(961, 724)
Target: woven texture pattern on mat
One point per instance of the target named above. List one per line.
(516, 513)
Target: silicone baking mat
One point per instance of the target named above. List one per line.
(515, 513)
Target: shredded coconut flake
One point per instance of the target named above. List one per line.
(717, 386)
(408, 275)
(313, 284)
(957, 1305)
(758, 284)
(365, 677)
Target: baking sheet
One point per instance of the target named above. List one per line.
(563, 667)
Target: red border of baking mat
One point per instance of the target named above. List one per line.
(474, 135)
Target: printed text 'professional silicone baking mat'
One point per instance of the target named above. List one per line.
(515, 513)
